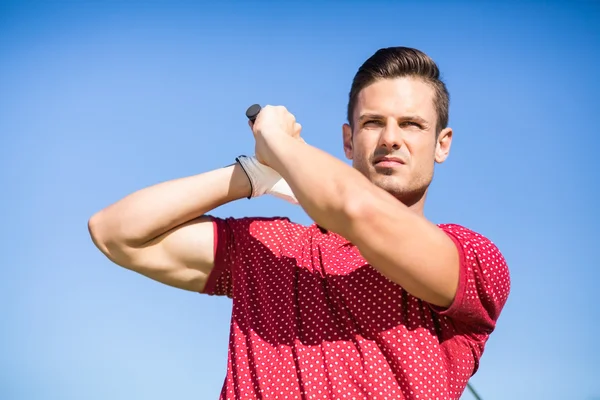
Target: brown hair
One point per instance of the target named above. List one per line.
(397, 62)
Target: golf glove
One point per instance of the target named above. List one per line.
(265, 180)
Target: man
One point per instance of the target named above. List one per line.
(381, 303)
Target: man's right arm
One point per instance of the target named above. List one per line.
(162, 231)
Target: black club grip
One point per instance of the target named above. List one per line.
(252, 112)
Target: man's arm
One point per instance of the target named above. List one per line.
(161, 231)
(400, 244)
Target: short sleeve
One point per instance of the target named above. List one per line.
(238, 240)
(220, 281)
(484, 283)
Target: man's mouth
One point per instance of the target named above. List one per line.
(388, 162)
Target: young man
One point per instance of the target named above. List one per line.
(381, 303)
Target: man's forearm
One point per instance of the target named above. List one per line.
(152, 211)
(400, 244)
(326, 187)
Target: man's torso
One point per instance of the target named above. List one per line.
(312, 319)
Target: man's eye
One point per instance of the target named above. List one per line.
(372, 122)
(409, 124)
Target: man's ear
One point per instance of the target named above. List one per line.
(443, 143)
(347, 137)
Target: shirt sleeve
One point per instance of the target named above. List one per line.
(235, 241)
(484, 283)
(219, 282)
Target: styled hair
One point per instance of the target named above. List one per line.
(398, 62)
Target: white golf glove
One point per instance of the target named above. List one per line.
(265, 180)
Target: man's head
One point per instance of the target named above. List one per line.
(398, 108)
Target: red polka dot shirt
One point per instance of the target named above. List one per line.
(311, 319)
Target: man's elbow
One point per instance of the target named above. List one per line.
(117, 251)
(97, 233)
(358, 209)
(106, 238)
(363, 205)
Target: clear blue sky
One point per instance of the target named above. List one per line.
(99, 99)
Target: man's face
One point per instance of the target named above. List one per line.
(394, 140)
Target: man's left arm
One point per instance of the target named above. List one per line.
(401, 245)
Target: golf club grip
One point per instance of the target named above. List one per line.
(252, 112)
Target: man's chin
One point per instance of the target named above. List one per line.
(391, 184)
(405, 193)
(387, 179)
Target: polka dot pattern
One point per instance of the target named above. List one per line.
(311, 319)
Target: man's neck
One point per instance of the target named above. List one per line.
(415, 203)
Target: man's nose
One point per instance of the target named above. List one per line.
(391, 136)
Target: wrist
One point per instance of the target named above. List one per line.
(276, 146)
(239, 186)
(265, 180)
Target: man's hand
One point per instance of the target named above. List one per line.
(273, 123)
(270, 124)
(265, 180)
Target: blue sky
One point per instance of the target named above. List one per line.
(99, 99)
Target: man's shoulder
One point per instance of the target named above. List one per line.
(262, 225)
(472, 241)
(277, 234)
(475, 246)
(464, 233)
(264, 220)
